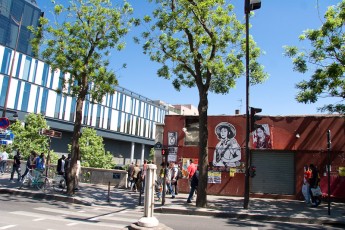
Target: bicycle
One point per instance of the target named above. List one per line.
(59, 183)
(35, 178)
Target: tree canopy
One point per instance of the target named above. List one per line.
(92, 150)
(200, 44)
(79, 46)
(325, 57)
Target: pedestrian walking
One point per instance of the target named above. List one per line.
(136, 178)
(193, 186)
(314, 182)
(16, 166)
(305, 186)
(130, 177)
(143, 176)
(60, 169)
(3, 161)
(29, 163)
(171, 179)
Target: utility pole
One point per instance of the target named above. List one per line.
(248, 6)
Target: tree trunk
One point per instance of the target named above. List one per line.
(201, 200)
(75, 151)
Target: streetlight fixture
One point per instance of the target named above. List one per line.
(248, 6)
(19, 24)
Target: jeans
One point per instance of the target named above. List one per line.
(3, 166)
(16, 169)
(191, 193)
(171, 190)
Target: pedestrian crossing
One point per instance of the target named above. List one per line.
(57, 218)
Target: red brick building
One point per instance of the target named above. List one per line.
(288, 143)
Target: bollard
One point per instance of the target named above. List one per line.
(149, 220)
(109, 192)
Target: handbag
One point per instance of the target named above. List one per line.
(316, 191)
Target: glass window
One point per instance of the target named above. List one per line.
(72, 113)
(44, 101)
(26, 96)
(17, 94)
(27, 67)
(3, 90)
(37, 98)
(57, 105)
(6, 61)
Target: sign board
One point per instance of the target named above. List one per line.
(4, 122)
(158, 146)
(51, 133)
(116, 175)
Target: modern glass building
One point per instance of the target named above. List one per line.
(127, 121)
(15, 13)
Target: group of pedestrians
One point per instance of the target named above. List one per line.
(311, 185)
(136, 176)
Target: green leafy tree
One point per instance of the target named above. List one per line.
(27, 137)
(200, 44)
(92, 150)
(326, 57)
(80, 46)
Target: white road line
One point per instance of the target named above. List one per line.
(71, 224)
(7, 226)
(254, 228)
(38, 219)
(59, 218)
(111, 216)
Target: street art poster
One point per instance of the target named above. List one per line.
(185, 164)
(172, 138)
(262, 137)
(214, 177)
(341, 171)
(172, 158)
(232, 172)
(228, 151)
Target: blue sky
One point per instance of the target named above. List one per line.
(276, 24)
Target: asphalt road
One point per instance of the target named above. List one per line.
(24, 213)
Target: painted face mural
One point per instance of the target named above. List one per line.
(228, 151)
(262, 137)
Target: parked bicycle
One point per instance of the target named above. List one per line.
(37, 179)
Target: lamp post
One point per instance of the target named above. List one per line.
(248, 6)
(19, 24)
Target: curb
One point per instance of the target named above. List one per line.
(255, 217)
(37, 195)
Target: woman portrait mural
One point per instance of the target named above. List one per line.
(228, 151)
(262, 137)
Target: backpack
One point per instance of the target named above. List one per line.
(179, 174)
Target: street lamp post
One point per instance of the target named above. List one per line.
(248, 6)
(12, 64)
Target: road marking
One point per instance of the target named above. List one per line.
(71, 224)
(59, 218)
(38, 219)
(7, 226)
(111, 216)
(254, 228)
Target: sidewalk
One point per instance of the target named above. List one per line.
(219, 206)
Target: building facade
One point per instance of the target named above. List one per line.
(15, 13)
(280, 148)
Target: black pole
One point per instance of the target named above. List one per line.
(246, 183)
(164, 179)
(329, 169)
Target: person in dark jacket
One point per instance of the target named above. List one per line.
(61, 165)
(193, 186)
(16, 166)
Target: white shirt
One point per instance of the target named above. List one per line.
(4, 156)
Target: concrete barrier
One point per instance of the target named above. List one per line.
(116, 177)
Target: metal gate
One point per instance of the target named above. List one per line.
(275, 173)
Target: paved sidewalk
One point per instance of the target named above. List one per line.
(220, 206)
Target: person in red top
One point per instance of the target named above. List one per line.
(191, 169)
(305, 186)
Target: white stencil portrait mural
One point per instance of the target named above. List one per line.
(228, 151)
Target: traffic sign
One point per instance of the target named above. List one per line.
(4, 122)
(158, 146)
(51, 133)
